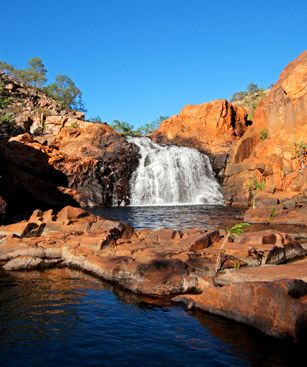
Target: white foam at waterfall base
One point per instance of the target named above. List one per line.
(172, 175)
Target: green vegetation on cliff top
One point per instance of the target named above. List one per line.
(63, 89)
(249, 98)
(68, 95)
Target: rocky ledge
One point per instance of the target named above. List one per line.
(260, 278)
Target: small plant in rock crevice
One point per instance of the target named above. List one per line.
(273, 214)
(74, 125)
(300, 153)
(263, 135)
(232, 233)
(300, 149)
(255, 185)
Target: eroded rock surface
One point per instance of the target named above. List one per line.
(278, 308)
(262, 279)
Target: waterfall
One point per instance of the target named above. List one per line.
(172, 175)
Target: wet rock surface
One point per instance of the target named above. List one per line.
(165, 262)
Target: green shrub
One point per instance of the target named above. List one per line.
(249, 99)
(4, 100)
(7, 125)
(232, 233)
(273, 214)
(74, 125)
(263, 135)
(255, 185)
(237, 229)
(300, 149)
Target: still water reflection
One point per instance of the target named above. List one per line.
(62, 317)
(175, 217)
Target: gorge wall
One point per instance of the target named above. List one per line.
(268, 164)
(262, 165)
(212, 128)
(59, 158)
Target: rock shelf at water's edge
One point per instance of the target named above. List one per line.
(262, 278)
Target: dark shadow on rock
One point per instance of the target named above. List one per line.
(28, 181)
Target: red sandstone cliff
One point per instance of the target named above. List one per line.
(60, 159)
(212, 128)
(273, 151)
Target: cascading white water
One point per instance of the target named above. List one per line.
(172, 175)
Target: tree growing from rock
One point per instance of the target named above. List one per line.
(65, 91)
(7, 68)
(36, 73)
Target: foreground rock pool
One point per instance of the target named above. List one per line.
(67, 318)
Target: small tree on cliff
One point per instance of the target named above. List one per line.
(7, 68)
(35, 74)
(65, 91)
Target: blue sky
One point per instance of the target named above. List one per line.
(135, 60)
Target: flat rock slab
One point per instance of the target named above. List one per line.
(276, 308)
(267, 273)
(154, 263)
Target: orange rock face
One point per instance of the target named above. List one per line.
(87, 165)
(211, 127)
(60, 159)
(273, 151)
